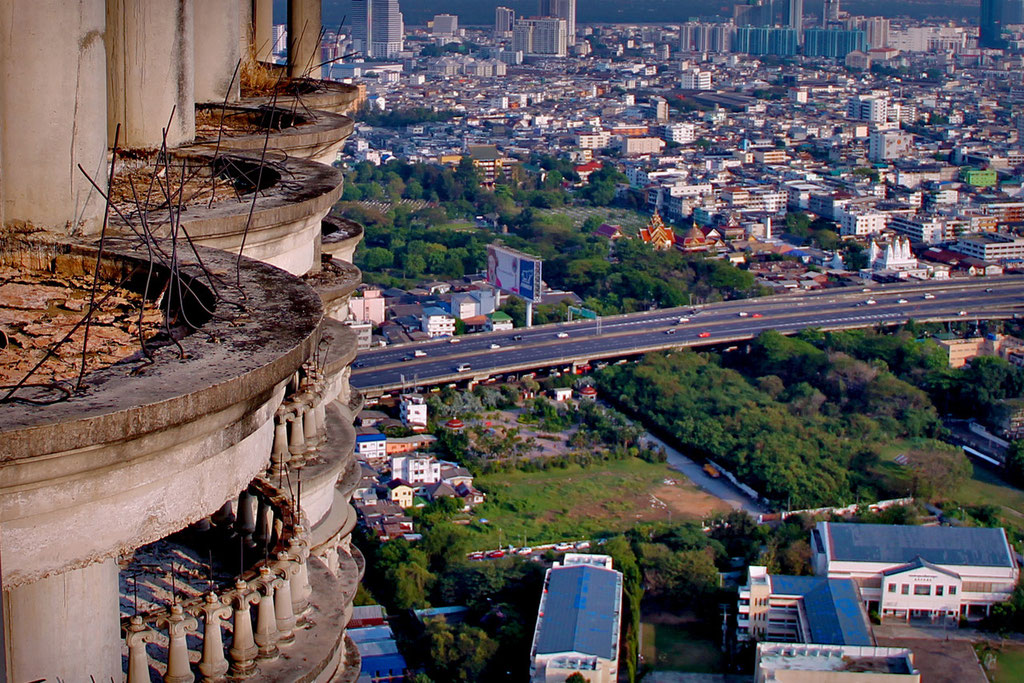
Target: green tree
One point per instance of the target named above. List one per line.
(376, 259)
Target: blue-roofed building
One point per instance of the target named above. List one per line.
(381, 660)
(931, 573)
(371, 444)
(578, 621)
(802, 609)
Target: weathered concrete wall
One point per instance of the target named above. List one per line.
(150, 49)
(217, 44)
(263, 27)
(53, 111)
(66, 627)
(304, 24)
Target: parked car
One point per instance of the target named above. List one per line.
(494, 554)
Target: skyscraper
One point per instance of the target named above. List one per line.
(361, 16)
(830, 12)
(387, 29)
(562, 9)
(796, 15)
(991, 22)
(504, 20)
(540, 36)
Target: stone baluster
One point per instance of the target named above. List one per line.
(243, 647)
(213, 665)
(138, 634)
(285, 568)
(298, 548)
(330, 558)
(266, 619)
(245, 520)
(297, 442)
(280, 455)
(178, 627)
(309, 425)
(264, 524)
(223, 517)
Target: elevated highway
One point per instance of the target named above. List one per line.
(480, 356)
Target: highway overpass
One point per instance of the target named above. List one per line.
(480, 356)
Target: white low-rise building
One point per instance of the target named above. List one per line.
(918, 572)
(416, 469)
(413, 411)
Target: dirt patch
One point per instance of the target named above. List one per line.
(942, 661)
(685, 499)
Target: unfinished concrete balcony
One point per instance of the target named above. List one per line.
(303, 133)
(268, 208)
(267, 83)
(340, 237)
(155, 440)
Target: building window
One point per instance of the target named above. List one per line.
(892, 587)
(922, 590)
(938, 590)
(905, 589)
(952, 590)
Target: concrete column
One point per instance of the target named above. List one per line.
(304, 24)
(245, 27)
(263, 29)
(66, 627)
(216, 27)
(53, 112)
(150, 72)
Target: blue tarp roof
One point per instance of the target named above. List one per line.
(581, 612)
(832, 606)
(943, 545)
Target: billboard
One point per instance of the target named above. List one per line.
(514, 272)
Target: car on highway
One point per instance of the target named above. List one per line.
(901, 301)
(988, 290)
(682, 320)
(961, 313)
(871, 302)
(406, 358)
(494, 346)
(517, 337)
(704, 335)
(562, 335)
(462, 367)
(757, 315)
(358, 364)
(454, 340)
(928, 295)
(670, 330)
(419, 353)
(743, 314)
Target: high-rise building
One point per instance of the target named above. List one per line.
(504, 20)
(1013, 12)
(833, 42)
(445, 25)
(695, 37)
(765, 40)
(875, 28)
(387, 30)
(540, 36)
(991, 21)
(563, 9)
(830, 12)
(796, 15)
(360, 17)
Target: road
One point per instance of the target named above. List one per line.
(719, 488)
(480, 356)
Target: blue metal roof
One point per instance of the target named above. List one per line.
(581, 613)
(835, 615)
(943, 545)
(383, 665)
(365, 438)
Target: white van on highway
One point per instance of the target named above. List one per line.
(462, 367)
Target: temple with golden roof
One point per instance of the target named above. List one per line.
(657, 234)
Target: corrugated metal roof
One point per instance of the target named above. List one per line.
(581, 612)
(943, 545)
(832, 607)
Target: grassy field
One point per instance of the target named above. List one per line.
(1007, 665)
(678, 643)
(631, 221)
(577, 503)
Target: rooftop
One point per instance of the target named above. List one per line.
(832, 607)
(942, 545)
(580, 612)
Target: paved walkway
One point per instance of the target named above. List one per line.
(717, 487)
(678, 677)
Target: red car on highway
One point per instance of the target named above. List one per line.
(704, 335)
